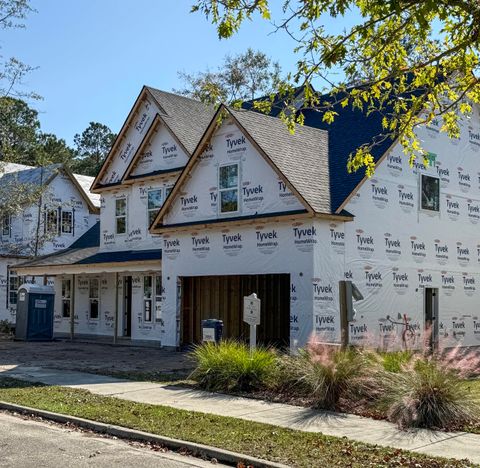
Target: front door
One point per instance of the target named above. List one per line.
(127, 306)
(431, 318)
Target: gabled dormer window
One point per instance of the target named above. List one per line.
(228, 188)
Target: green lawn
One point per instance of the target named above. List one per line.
(295, 448)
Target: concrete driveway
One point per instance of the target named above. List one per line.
(96, 358)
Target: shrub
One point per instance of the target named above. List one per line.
(428, 393)
(6, 327)
(325, 374)
(395, 360)
(229, 366)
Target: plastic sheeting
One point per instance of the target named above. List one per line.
(394, 249)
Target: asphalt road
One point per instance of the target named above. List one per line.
(32, 444)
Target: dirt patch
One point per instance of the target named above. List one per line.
(93, 357)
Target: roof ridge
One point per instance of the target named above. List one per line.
(308, 128)
(175, 95)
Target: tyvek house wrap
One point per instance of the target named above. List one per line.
(137, 235)
(130, 142)
(261, 190)
(261, 247)
(60, 193)
(394, 250)
(162, 153)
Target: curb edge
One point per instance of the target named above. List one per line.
(132, 434)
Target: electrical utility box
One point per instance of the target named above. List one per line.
(34, 321)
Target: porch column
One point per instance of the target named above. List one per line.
(72, 309)
(115, 321)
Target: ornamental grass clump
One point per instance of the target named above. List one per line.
(393, 361)
(229, 366)
(430, 392)
(325, 374)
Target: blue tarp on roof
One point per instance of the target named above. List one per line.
(123, 256)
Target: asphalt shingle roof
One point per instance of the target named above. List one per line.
(301, 157)
(91, 238)
(350, 130)
(186, 117)
(123, 256)
(19, 173)
(86, 182)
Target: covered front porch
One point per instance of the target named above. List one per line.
(109, 296)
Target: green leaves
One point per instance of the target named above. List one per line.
(241, 77)
(412, 62)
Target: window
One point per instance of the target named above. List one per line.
(430, 193)
(152, 298)
(154, 204)
(158, 298)
(52, 221)
(67, 222)
(66, 297)
(93, 296)
(228, 188)
(147, 298)
(14, 282)
(6, 225)
(167, 191)
(121, 215)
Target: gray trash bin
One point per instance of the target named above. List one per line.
(34, 318)
(212, 330)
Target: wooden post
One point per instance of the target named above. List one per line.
(72, 309)
(115, 320)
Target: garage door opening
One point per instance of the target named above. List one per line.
(221, 297)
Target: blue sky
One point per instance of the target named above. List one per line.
(95, 55)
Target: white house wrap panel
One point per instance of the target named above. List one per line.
(260, 190)
(162, 153)
(141, 199)
(130, 142)
(395, 249)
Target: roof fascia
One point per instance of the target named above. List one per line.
(146, 139)
(93, 209)
(96, 187)
(212, 126)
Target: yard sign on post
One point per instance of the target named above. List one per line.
(251, 315)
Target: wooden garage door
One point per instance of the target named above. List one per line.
(221, 297)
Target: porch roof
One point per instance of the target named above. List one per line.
(90, 260)
(123, 256)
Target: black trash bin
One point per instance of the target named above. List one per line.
(34, 317)
(212, 330)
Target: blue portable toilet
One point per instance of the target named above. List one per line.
(34, 318)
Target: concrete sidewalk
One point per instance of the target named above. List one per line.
(458, 445)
